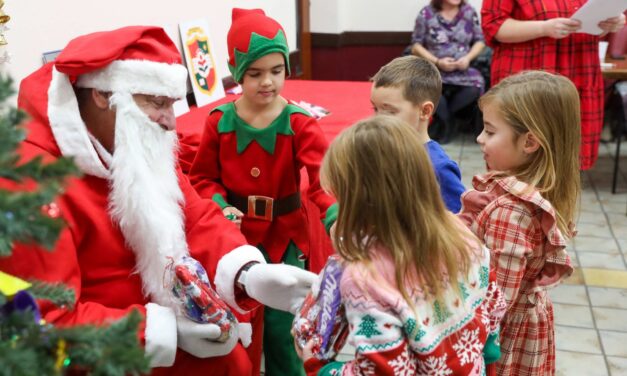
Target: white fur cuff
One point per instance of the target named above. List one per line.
(138, 77)
(160, 335)
(228, 266)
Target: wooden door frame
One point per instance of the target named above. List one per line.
(303, 35)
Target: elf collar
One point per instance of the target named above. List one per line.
(245, 134)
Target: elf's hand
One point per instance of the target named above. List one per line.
(279, 286)
(233, 214)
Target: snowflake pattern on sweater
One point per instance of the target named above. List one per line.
(437, 337)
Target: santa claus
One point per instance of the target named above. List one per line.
(107, 102)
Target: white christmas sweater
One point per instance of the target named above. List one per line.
(455, 335)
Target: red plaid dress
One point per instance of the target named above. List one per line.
(529, 257)
(575, 57)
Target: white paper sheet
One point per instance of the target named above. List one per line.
(595, 11)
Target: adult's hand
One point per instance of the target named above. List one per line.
(558, 28)
(447, 64)
(613, 24)
(233, 214)
(200, 339)
(279, 286)
(463, 63)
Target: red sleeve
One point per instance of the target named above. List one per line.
(204, 173)
(61, 266)
(310, 145)
(493, 14)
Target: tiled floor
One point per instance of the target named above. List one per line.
(591, 307)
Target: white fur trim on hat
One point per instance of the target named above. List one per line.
(228, 266)
(160, 334)
(68, 127)
(138, 77)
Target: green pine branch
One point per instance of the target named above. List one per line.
(54, 292)
(35, 185)
(28, 347)
(47, 350)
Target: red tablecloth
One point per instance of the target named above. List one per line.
(347, 102)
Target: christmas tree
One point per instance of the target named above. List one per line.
(29, 345)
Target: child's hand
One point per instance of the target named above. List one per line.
(233, 214)
(306, 352)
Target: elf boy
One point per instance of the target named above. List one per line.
(249, 161)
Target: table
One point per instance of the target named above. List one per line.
(618, 71)
(347, 102)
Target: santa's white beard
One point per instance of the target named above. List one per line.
(145, 198)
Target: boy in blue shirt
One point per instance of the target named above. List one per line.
(409, 88)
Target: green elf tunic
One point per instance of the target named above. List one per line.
(235, 159)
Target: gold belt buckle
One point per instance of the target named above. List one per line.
(268, 204)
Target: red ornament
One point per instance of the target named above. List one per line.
(52, 210)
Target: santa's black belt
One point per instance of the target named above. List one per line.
(264, 207)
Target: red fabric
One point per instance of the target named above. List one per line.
(91, 256)
(348, 103)
(244, 22)
(85, 53)
(575, 57)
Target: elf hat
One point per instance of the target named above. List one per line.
(130, 60)
(253, 35)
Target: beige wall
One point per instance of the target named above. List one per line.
(337, 16)
(38, 26)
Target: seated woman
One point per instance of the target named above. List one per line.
(448, 33)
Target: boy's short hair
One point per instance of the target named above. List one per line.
(419, 79)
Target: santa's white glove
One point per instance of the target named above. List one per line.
(200, 339)
(278, 286)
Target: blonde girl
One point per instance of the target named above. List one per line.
(524, 207)
(416, 283)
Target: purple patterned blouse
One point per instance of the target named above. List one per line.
(453, 38)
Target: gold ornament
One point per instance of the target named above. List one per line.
(4, 18)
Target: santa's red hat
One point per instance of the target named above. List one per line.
(130, 60)
(253, 35)
(135, 59)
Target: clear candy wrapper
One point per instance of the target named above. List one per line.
(323, 319)
(199, 302)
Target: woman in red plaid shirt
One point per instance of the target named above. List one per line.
(523, 211)
(537, 34)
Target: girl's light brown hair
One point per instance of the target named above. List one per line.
(383, 180)
(547, 105)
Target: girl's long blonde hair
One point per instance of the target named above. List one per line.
(547, 105)
(383, 180)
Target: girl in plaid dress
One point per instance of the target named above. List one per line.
(523, 211)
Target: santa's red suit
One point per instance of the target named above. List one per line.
(92, 256)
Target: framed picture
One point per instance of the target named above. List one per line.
(200, 60)
(50, 56)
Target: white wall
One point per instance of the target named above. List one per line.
(38, 26)
(337, 16)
